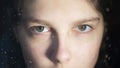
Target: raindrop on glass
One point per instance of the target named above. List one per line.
(11, 57)
(107, 38)
(109, 45)
(107, 9)
(30, 61)
(5, 52)
(2, 62)
(19, 14)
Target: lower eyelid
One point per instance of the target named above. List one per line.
(76, 29)
(39, 33)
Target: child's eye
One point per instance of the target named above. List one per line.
(39, 29)
(83, 28)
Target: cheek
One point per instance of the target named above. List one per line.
(88, 45)
(35, 51)
(32, 44)
(34, 48)
(86, 53)
(86, 48)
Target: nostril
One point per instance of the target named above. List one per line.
(58, 56)
(63, 56)
(58, 52)
(56, 61)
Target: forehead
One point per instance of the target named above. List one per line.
(59, 6)
(54, 3)
(59, 10)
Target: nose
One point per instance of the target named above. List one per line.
(59, 50)
(63, 54)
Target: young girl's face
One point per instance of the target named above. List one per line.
(60, 33)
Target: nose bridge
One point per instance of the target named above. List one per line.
(63, 52)
(62, 39)
(58, 50)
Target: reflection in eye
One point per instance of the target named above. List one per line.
(83, 28)
(39, 29)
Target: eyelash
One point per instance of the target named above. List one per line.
(39, 29)
(44, 29)
(83, 28)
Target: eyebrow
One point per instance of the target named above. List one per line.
(89, 19)
(39, 21)
(34, 20)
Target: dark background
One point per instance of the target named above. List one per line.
(10, 53)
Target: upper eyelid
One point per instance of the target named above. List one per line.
(31, 19)
(34, 21)
(87, 22)
(31, 30)
(32, 25)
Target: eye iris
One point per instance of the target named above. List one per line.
(39, 28)
(82, 28)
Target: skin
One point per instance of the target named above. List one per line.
(60, 33)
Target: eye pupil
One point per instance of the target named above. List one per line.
(82, 28)
(40, 28)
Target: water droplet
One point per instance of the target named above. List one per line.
(19, 14)
(3, 39)
(2, 62)
(3, 16)
(109, 45)
(30, 61)
(106, 29)
(106, 56)
(109, 58)
(107, 38)
(15, 62)
(11, 57)
(12, 51)
(107, 9)
(5, 52)
(1, 49)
